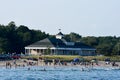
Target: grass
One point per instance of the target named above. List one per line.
(102, 58)
(71, 57)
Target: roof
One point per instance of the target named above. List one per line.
(60, 33)
(59, 43)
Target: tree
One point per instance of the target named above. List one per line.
(3, 45)
(92, 41)
(47, 51)
(73, 37)
(22, 29)
(116, 49)
(13, 39)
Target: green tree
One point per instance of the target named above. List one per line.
(92, 41)
(73, 37)
(47, 52)
(3, 45)
(116, 49)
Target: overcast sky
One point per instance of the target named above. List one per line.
(85, 17)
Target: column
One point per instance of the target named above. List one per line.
(29, 51)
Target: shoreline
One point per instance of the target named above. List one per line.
(29, 63)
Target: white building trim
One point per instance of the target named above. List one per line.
(58, 48)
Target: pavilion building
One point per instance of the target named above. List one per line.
(59, 46)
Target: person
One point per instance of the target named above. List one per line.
(15, 62)
(23, 65)
(59, 62)
(44, 69)
(82, 69)
(65, 63)
(8, 65)
(53, 61)
(114, 64)
(29, 68)
(92, 64)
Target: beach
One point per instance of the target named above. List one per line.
(25, 62)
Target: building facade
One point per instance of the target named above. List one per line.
(59, 46)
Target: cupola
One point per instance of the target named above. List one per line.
(59, 35)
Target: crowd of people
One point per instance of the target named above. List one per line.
(57, 62)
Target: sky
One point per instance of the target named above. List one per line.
(85, 17)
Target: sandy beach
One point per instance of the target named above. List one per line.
(24, 63)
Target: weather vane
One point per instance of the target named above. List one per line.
(59, 30)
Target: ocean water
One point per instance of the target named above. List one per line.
(59, 73)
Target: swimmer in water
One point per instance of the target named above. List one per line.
(43, 69)
(82, 69)
(29, 68)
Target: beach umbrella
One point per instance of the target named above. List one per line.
(76, 59)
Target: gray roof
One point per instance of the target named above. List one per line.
(59, 43)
